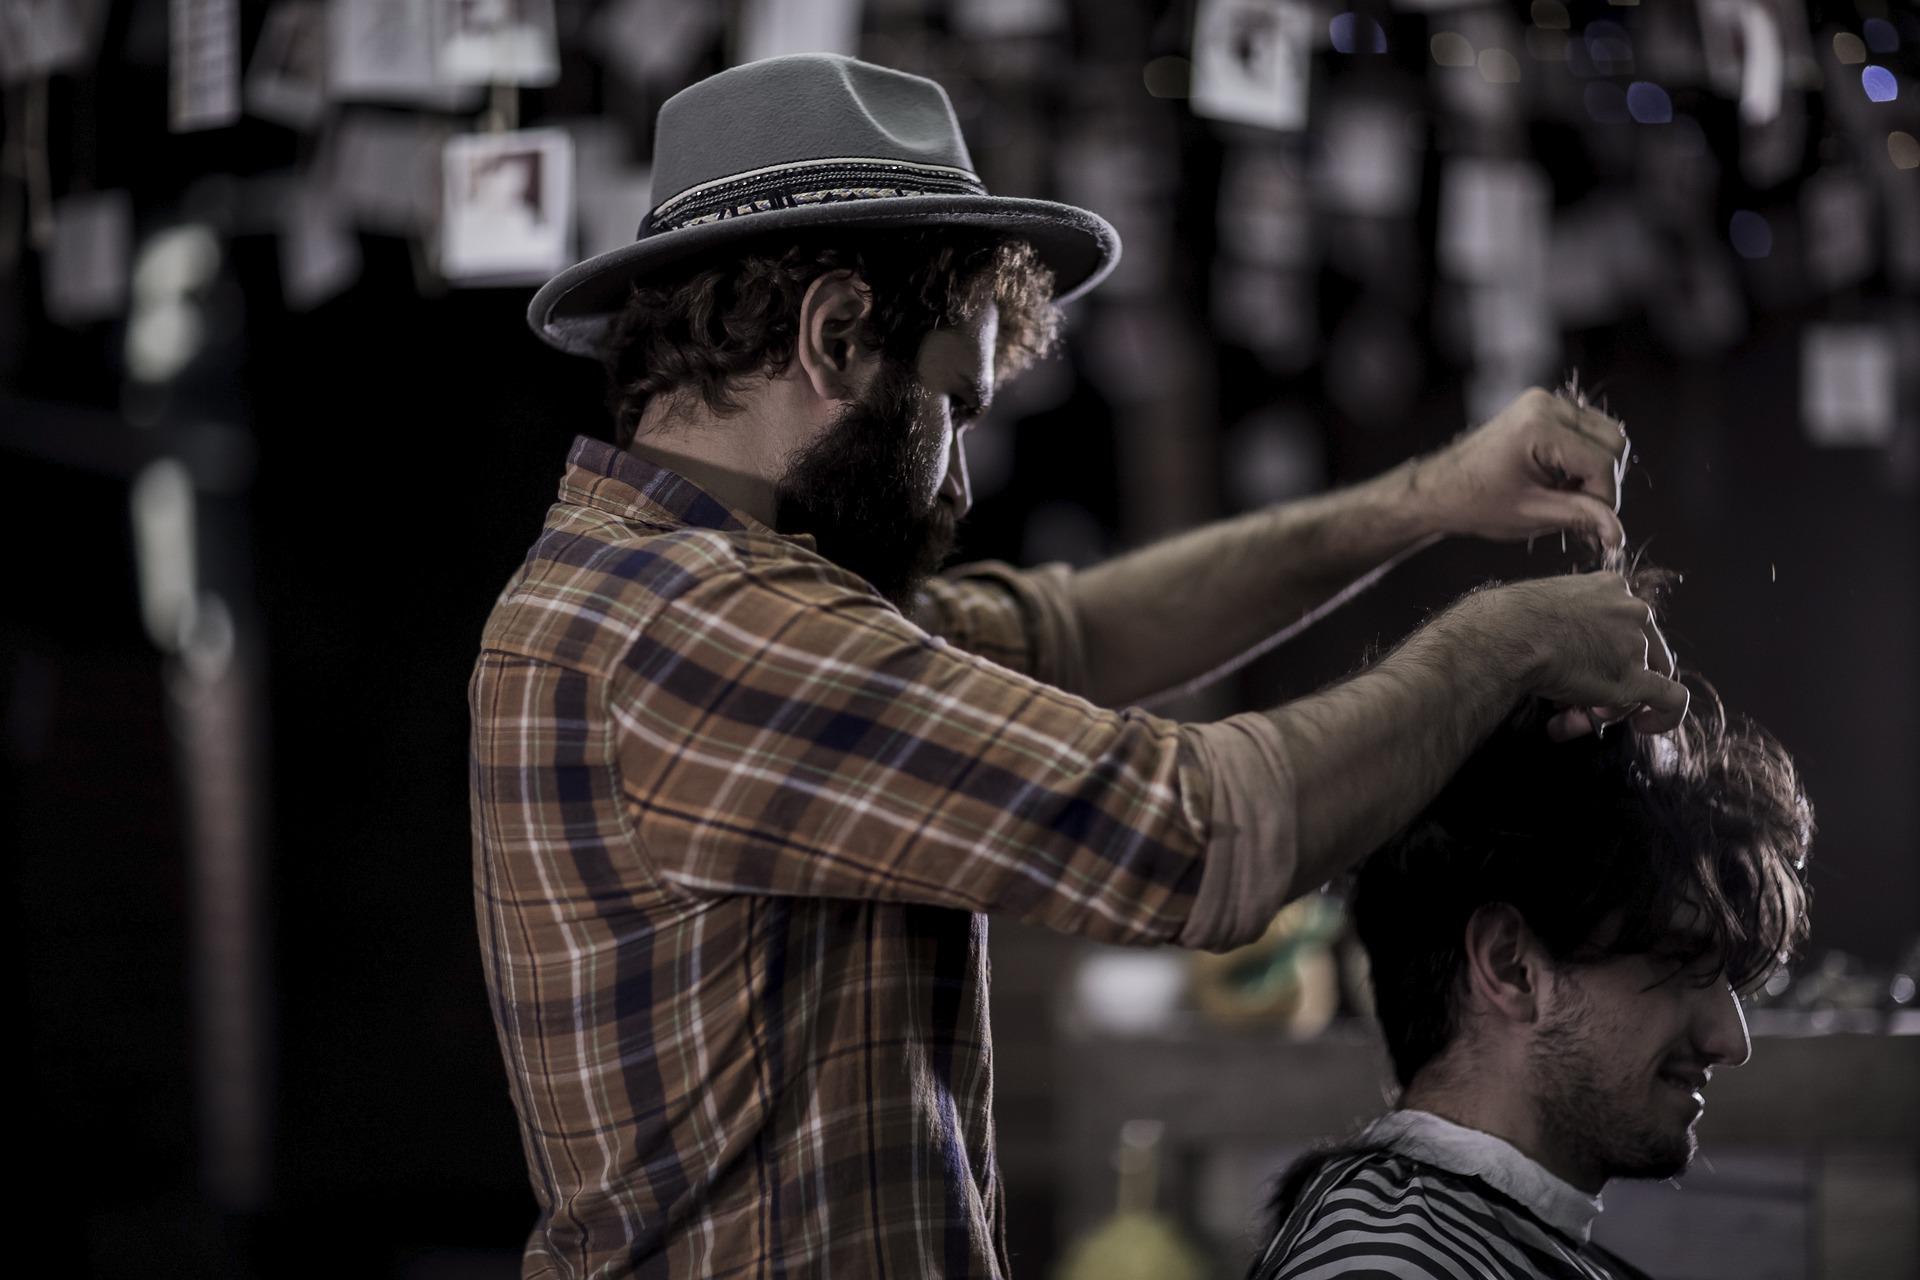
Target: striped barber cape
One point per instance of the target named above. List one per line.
(1417, 1197)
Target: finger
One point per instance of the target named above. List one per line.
(1612, 433)
(1660, 658)
(1664, 703)
(1572, 723)
(1591, 518)
(1596, 428)
(1575, 463)
(1602, 438)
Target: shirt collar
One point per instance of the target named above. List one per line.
(1423, 1136)
(607, 478)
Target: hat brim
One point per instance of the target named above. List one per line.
(575, 311)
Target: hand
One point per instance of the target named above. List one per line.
(1540, 465)
(1587, 643)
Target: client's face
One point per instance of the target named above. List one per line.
(1619, 1062)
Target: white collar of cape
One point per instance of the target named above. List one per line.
(1424, 1136)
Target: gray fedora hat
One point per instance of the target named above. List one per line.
(804, 141)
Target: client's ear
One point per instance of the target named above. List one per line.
(1503, 963)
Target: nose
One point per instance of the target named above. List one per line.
(1721, 1028)
(957, 489)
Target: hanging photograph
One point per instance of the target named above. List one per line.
(497, 42)
(319, 253)
(1250, 62)
(382, 168)
(41, 37)
(771, 28)
(87, 265)
(287, 79)
(384, 51)
(508, 206)
(204, 64)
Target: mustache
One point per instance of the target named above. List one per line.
(942, 523)
(1696, 1074)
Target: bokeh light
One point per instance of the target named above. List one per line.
(1849, 48)
(1356, 33)
(1168, 77)
(163, 338)
(1497, 66)
(1649, 103)
(1879, 84)
(1550, 14)
(1903, 149)
(1609, 48)
(1451, 49)
(175, 261)
(1881, 37)
(1751, 234)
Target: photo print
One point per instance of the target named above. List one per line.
(204, 64)
(1250, 62)
(771, 28)
(497, 42)
(508, 212)
(386, 51)
(43, 37)
(287, 79)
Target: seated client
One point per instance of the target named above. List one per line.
(1559, 945)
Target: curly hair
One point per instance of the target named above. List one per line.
(1599, 838)
(720, 322)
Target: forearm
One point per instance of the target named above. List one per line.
(1299, 794)
(1368, 753)
(1181, 608)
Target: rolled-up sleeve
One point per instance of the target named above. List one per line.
(1022, 619)
(1241, 766)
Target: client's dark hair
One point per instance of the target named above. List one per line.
(1595, 842)
(718, 322)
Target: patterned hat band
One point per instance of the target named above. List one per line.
(803, 183)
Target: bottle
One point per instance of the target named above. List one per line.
(1136, 1243)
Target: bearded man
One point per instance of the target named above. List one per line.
(747, 779)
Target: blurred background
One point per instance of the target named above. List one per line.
(265, 270)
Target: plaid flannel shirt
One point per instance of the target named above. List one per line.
(736, 821)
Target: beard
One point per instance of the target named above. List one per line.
(858, 490)
(1599, 1107)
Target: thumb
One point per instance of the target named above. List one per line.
(1574, 722)
(1663, 703)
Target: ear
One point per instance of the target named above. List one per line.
(827, 348)
(1503, 963)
